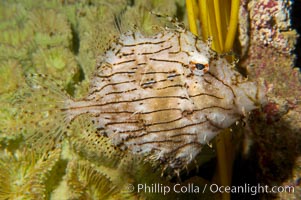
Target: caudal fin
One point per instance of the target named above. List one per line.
(40, 112)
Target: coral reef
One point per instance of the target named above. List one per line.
(270, 24)
(268, 55)
(62, 39)
(25, 174)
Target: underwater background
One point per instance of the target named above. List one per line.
(63, 39)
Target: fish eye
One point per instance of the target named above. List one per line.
(199, 66)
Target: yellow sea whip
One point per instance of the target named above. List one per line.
(218, 21)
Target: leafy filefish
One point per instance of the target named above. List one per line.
(165, 95)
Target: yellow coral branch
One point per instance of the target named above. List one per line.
(233, 25)
(214, 21)
(224, 160)
(220, 23)
(191, 16)
(218, 19)
(204, 19)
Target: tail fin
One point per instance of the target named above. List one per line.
(40, 114)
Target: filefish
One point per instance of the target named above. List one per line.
(165, 95)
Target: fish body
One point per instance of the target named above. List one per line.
(165, 95)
